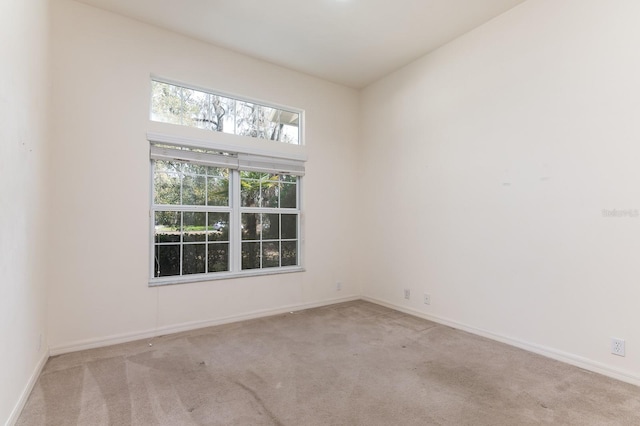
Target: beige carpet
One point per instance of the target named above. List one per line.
(348, 364)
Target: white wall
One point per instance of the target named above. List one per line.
(486, 167)
(24, 95)
(100, 184)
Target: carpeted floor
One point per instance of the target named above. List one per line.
(348, 364)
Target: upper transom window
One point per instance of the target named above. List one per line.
(171, 103)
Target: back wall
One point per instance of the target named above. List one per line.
(100, 183)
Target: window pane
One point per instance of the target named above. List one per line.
(166, 188)
(193, 259)
(251, 226)
(218, 228)
(218, 172)
(217, 191)
(289, 224)
(193, 226)
(270, 226)
(290, 134)
(193, 190)
(289, 253)
(250, 255)
(271, 255)
(167, 227)
(269, 191)
(189, 107)
(218, 257)
(202, 111)
(194, 169)
(167, 261)
(288, 195)
(229, 117)
(250, 188)
(246, 119)
(211, 111)
(165, 103)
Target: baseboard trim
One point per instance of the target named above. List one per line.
(17, 410)
(568, 358)
(188, 326)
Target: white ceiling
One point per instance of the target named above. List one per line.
(351, 42)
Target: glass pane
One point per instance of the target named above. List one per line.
(218, 257)
(229, 117)
(202, 111)
(166, 188)
(189, 108)
(220, 172)
(269, 191)
(193, 259)
(167, 227)
(251, 226)
(194, 169)
(250, 188)
(165, 103)
(262, 123)
(290, 135)
(288, 195)
(217, 191)
(272, 117)
(193, 190)
(246, 119)
(270, 226)
(193, 226)
(205, 110)
(250, 255)
(271, 255)
(289, 224)
(167, 261)
(218, 228)
(289, 253)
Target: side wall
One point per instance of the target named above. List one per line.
(100, 186)
(24, 95)
(488, 165)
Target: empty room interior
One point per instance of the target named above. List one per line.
(320, 212)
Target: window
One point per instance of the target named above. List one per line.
(219, 214)
(177, 104)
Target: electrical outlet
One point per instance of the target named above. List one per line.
(427, 299)
(407, 293)
(617, 346)
(338, 286)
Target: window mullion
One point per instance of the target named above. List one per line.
(235, 234)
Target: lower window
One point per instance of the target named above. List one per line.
(213, 219)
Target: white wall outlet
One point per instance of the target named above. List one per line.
(427, 299)
(617, 346)
(407, 293)
(338, 286)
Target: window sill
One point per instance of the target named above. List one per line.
(156, 282)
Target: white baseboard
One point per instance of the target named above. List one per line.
(17, 410)
(565, 357)
(187, 326)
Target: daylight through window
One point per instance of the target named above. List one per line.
(220, 214)
(171, 103)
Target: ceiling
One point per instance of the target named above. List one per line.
(350, 42)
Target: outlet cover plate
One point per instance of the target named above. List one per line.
(617, 346)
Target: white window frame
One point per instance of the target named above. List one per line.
(235, 97)
(251, 154)
(249, 162)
